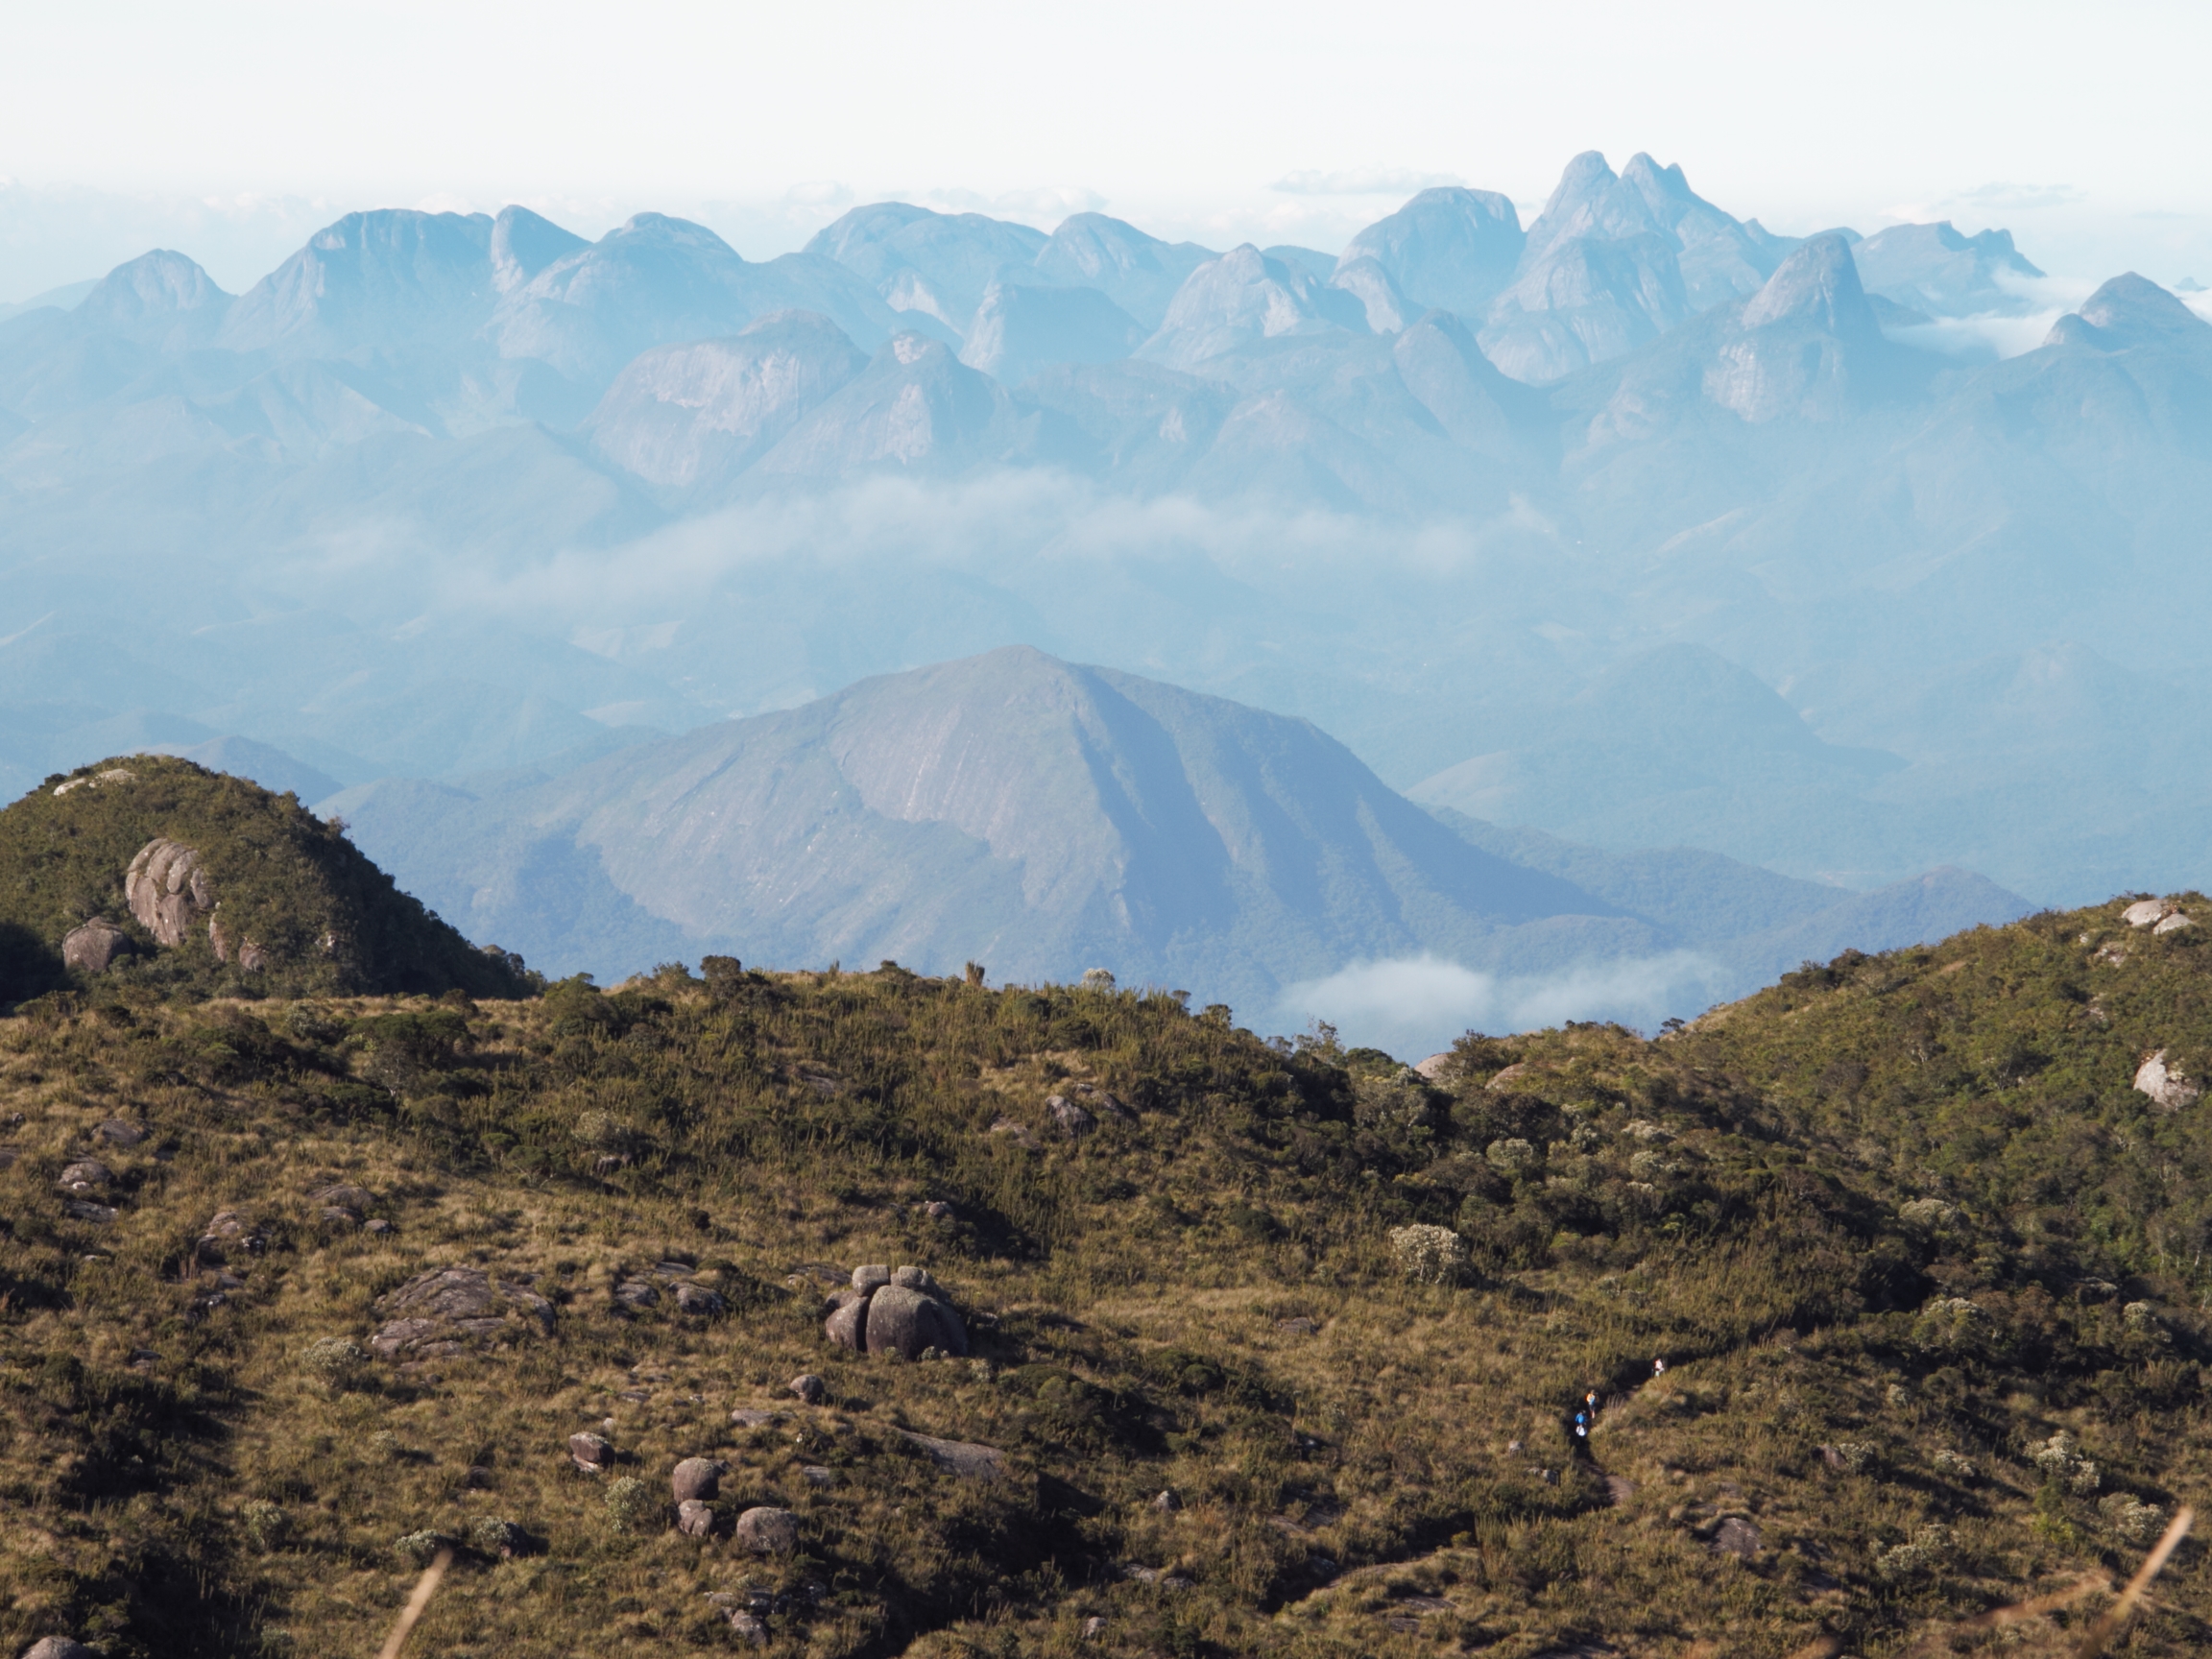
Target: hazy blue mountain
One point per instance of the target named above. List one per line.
(1584, 300)
(1938, 272)
(657, 280)
(1139, 272)
(1241, 298)
(684, 416)
(1385, 304)
(1721, 258)
(914, 410)
(523, 244)
(62, 298)
(939, 264)
(1139, 424)
(160, 299)
(1021, 328)
(1447, 249)
(1310, 260)
(269, 767)
(391, 278)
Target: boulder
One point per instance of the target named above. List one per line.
(167, 889)
(84, 1210)
(590, 1453)
(1736, 1537)
(867, 1279)
(2169, 1090)
(962, 1457)
(345, 1196)
(120, 1132)
(917, 1278)
(635, 1294)
(698, 1301)
(766, 1531)
(902, 1320)
(848, 1326)
(86, 1176)
(91, 947)
(694, 1519)
(1071, 1119)
(2173, 923)
(699, 1477)
(808, 1388)
(58, 1648)
(2145, 912)
(1434, 1067)
(1509, 1079)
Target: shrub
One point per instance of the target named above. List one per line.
(630, 1506)
(1510, 1157)
(335, 1360)
(1431, 1254)
(2131, 1518)
(266, 1525)
(1925, 1551)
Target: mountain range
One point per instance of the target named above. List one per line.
(1635, 525)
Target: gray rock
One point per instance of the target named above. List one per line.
(745, 1624)
(698, 1301)
(962, 1457)
(695, 1519)
(1737, 1537)
(86, 1176)
(2145, 912)
(379, 1227)
(2173, 924)
(766, 1531)
(91, 946)
(1071, 1118)
(346, 1196)
(814, 1475)
(2169, 1090)
(637, 1293)
(937, 1209)
(917, 1278)
(590, 1453)
(902, 1320)
(58, 1648)
(84, 1210)
(120, 1132)
(698, 1478)
(848, 1326)
(869, 1278)
(808, 1388)
(447, 1308)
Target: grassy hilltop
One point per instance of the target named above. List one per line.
(1927, 1269)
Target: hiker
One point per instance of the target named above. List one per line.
(1582, 1433)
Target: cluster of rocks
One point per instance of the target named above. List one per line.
(903, 1312)
(447, 1310)
(2159, 915)
(635, 1294)
(344, 1205)
(229, 1233)
(85, 1182)
(694, 1486)
(1077, 1112)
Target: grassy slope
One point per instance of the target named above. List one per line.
(188, 1482)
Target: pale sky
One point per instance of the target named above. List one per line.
(232, 129)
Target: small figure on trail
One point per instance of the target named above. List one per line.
(1590, 1404)
(1582, 1433)
(1658, 1370)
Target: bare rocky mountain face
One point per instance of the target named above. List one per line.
(466, 503)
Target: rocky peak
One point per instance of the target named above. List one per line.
(2130, 310)
(523, 244)
(1818, 284)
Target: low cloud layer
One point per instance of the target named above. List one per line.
(1416, 1005)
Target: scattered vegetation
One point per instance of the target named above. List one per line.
(1279, 1341)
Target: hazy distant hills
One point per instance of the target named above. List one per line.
(1042, 818)
(1635, 524)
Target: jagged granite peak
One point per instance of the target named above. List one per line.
(2130, 310)
(1448, 248)
(1021, 328)
(923, 261)
(1590, 201)
(1721, 256)
(1241, 298)
(1139, 272)
(681, 415)
(391, 276)
(524, 243)
(1818, 283)
(160, 299)
(1937, 270)
(916, 409)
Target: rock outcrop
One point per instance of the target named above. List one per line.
(450, 1308)
(903, 1312)
(766, 1531)
(167, 889)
